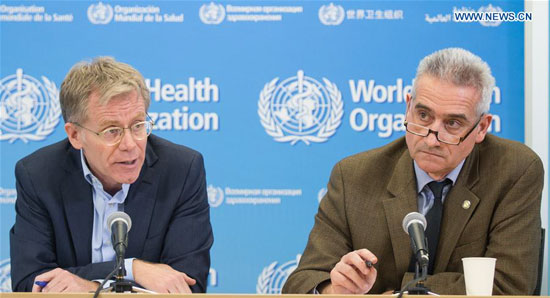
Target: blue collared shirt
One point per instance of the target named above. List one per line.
(425, 198)
(104, 205)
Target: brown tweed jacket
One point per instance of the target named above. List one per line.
(370, 193)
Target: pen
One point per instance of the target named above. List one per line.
(369, 264)
(41, 283)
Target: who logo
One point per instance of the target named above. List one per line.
(29, 109)
(321, 194)
(490, 9)
(300, 108)
(100, 14)
(331, 15)
(5, 277)
(212, 14)
(215, 195)
(273, 277)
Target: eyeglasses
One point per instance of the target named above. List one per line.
(113, 135)
(441, 136)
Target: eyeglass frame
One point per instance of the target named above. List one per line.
(101, 133)
(436, 133)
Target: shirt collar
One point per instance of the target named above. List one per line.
(91, 178)
(422, 178)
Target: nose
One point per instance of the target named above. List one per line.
(432, 140)
(127, 142)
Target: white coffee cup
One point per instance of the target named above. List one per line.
(479, 274)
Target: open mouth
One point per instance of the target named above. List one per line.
(129, 162)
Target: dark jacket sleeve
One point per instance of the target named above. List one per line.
(32, 239)
(189, 237)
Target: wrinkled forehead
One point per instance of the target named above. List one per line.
(441, 96)
(127, 101)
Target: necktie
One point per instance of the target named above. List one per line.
(433, 217)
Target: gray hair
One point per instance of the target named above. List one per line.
(103, 75)
(461, 68)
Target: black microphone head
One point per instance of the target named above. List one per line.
(413, 217)
(119, 216)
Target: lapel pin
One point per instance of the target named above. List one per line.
(466, 204)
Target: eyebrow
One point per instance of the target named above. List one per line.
(459, 116)
(421, 106)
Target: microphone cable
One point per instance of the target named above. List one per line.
(100, 287)
(406, 287)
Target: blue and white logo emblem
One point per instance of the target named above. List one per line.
(273, 277)
(331, 15)
(29, 109)
(215, 195)
(321, 194)
(490, 9)
(100, 14)
(212, 14)
(5, 277)
(212, 277)
(300, 109)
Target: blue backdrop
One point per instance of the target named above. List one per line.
(273, 93)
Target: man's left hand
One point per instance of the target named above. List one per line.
(161, 278)
(60, 280)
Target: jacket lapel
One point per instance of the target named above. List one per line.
(78, 203)
(403, 199)
(140, 202)
(455, 217)
(402, 187)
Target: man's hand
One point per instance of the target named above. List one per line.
(60, 280)
(351, 275)
(161, 278)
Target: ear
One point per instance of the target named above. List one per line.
(483, 126)
(75, 135)
(408, 100)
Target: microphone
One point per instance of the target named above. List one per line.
(414, 225)
(119, 224)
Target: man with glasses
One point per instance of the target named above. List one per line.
(110, 162)
(480, 195)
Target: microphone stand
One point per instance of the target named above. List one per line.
(420, 274)
(120, 285)
(119, 223)
(111, 288)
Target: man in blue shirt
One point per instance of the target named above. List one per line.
(480, 193)
(110, 162)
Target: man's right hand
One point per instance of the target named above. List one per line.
(161, 278)
(351, 275)
(59, 280)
